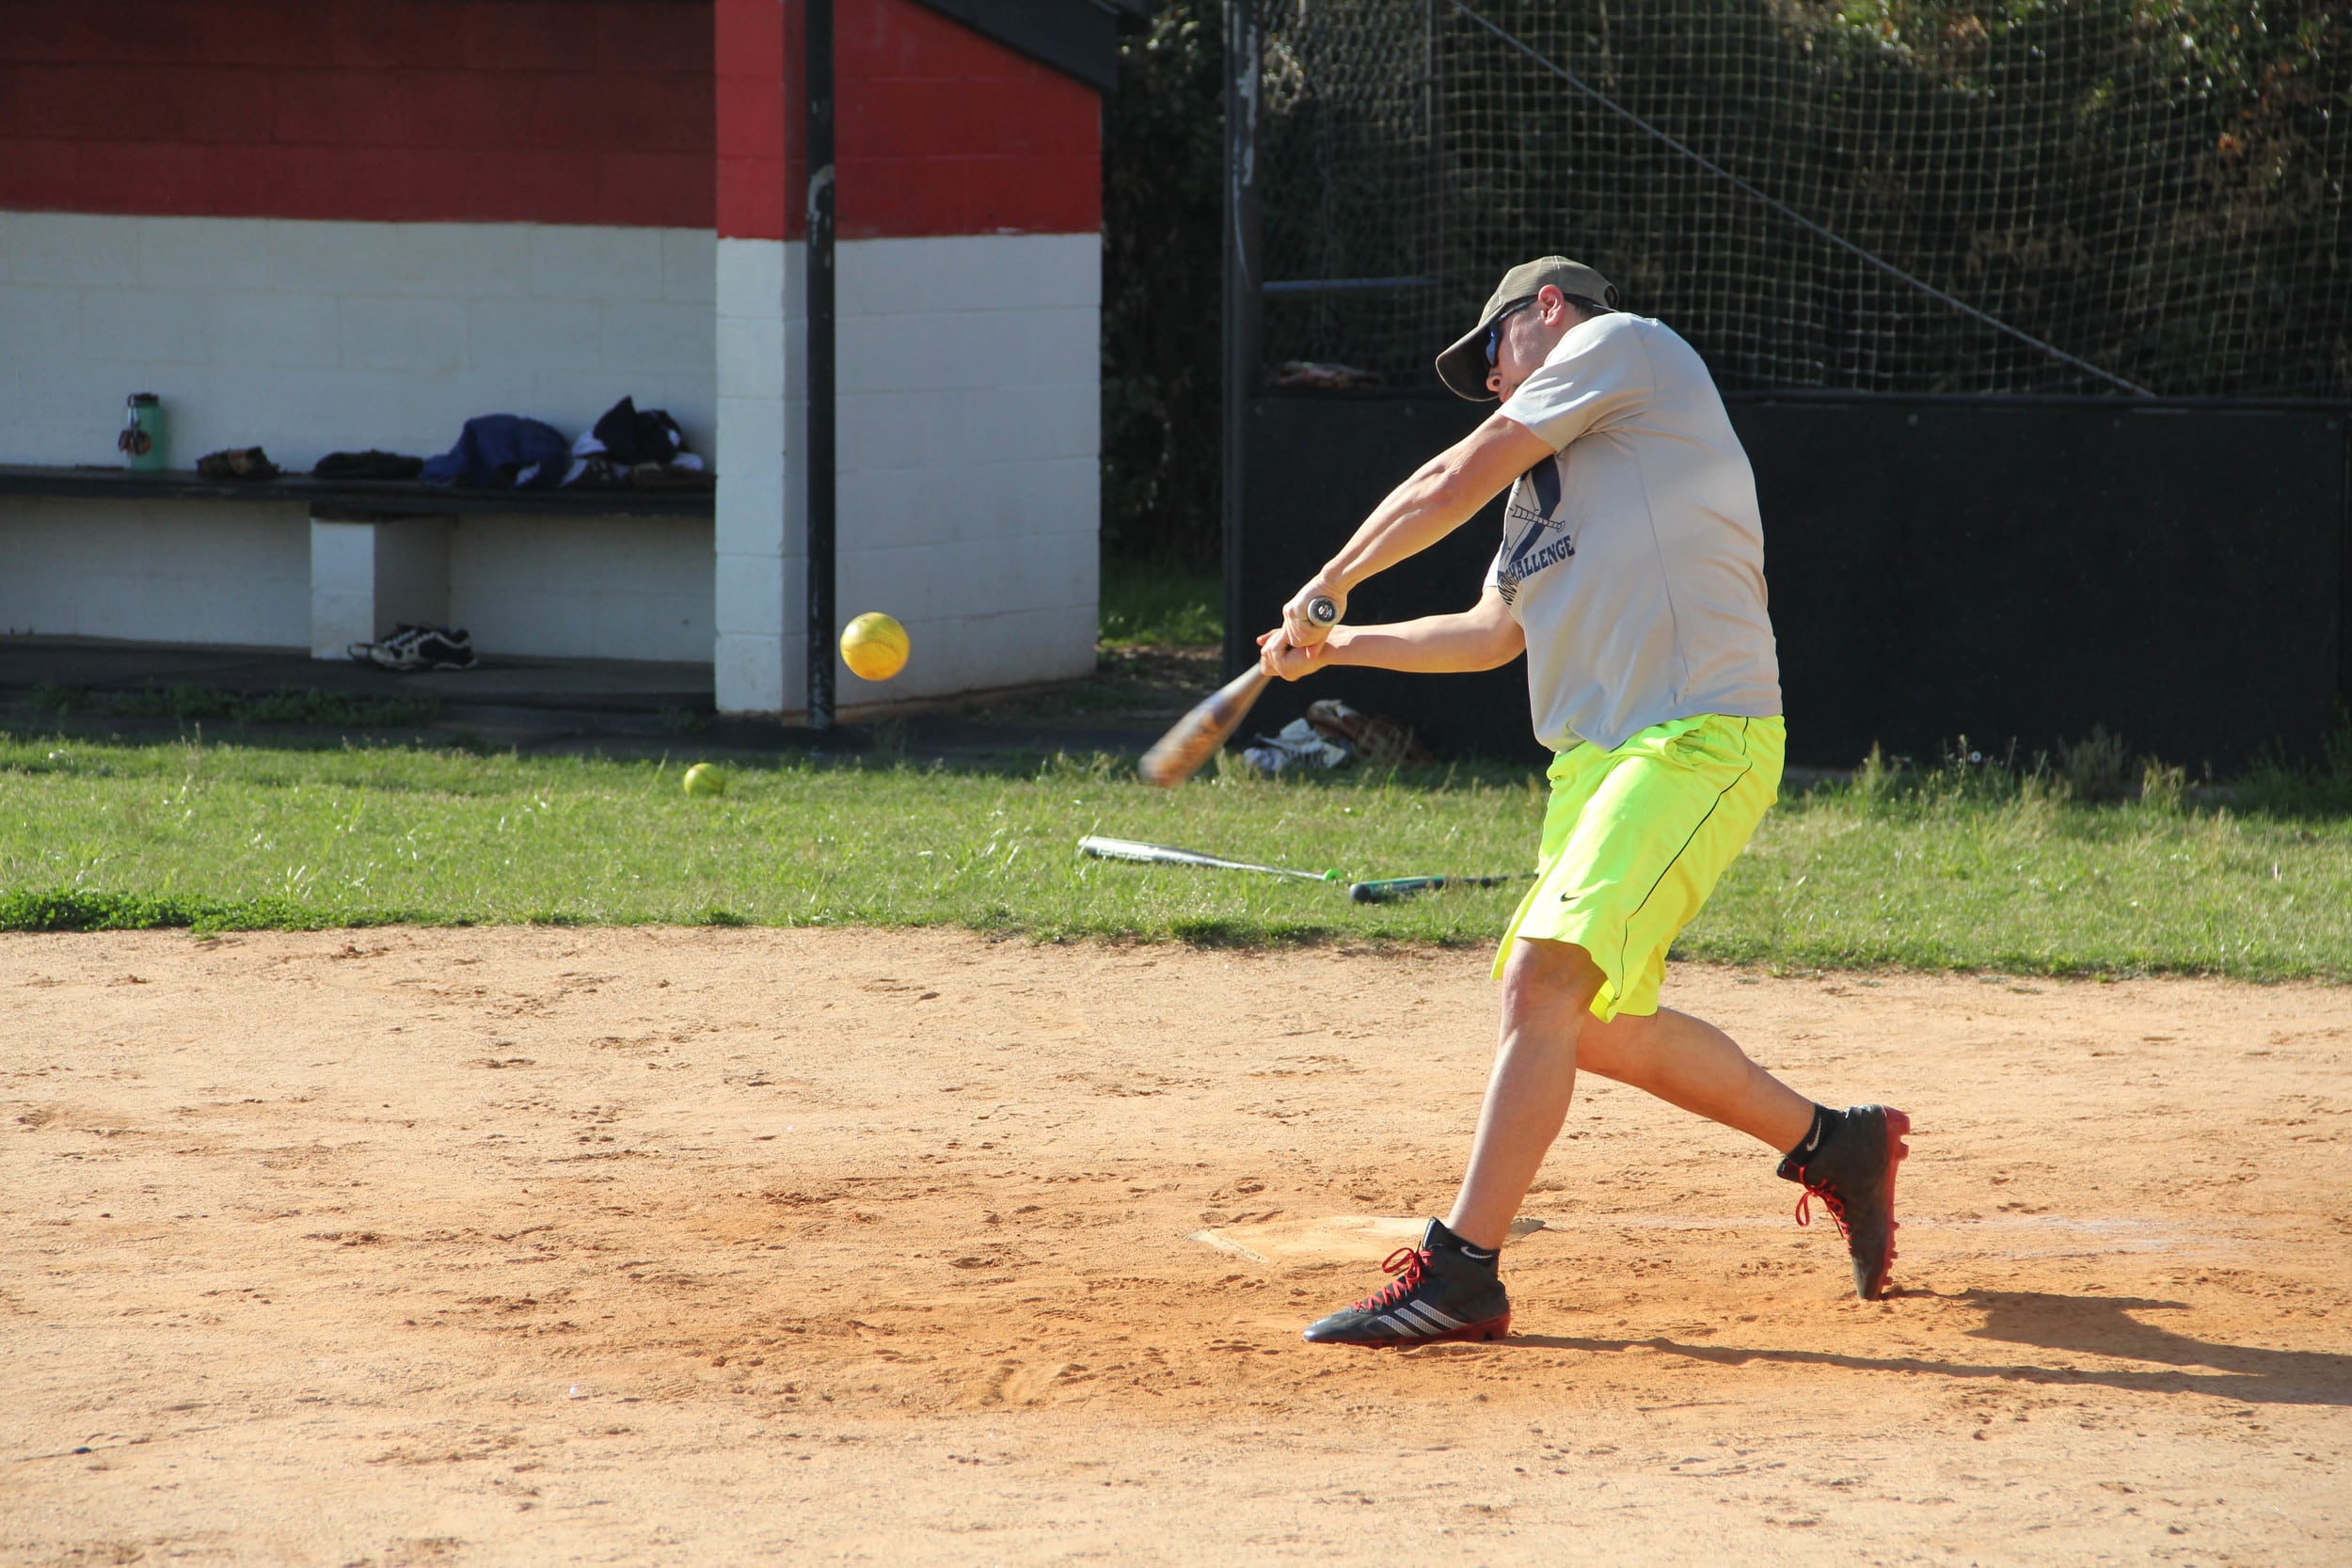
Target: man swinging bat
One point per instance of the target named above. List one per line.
(1631, 574)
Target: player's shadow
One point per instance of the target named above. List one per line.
(2070, 1325)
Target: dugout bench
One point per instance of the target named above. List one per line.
(379, 549)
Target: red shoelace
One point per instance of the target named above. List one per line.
(1829, 1200)
(1407, 1264)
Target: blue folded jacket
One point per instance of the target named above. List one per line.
(495, 449)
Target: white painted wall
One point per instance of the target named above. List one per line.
(761, 565)
(583, 587)
(306, 337)
(969, 426)
(224, 571)
(101, 568)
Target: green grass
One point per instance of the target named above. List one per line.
(1955, 869)
(1155, 603)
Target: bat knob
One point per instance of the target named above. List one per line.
(1322, 611)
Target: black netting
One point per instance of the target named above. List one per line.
(2029, 196)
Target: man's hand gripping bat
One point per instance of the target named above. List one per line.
(1196, 737)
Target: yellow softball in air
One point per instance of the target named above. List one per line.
(874, 646)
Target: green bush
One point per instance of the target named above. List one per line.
(1162, 282)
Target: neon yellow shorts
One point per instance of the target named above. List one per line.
(1634, 840)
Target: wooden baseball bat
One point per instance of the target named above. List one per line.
(1194, 737)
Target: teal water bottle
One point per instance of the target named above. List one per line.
(142, 438)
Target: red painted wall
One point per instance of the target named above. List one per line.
(938, 131)
(760, 177)
(628, 112)
(942, 132)
(593, 111)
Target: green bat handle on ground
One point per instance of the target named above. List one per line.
(1402, 887)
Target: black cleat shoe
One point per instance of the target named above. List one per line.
(1852, 1173)
(396, 652)
(445, 648)
(1438, 1293)
(410, 648)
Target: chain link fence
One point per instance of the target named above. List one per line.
(1996, 197)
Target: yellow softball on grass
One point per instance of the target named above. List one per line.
(705, 779)
(874, 646)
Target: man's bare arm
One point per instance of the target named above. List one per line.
(1481, 638)
(1442, 495)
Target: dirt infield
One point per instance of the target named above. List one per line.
(535, 1247)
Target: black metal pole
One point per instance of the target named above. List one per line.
(818, 82)
(1244, 47)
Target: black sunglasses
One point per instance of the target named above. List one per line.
(1494, 331)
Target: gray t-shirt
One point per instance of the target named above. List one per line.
(1634, 561)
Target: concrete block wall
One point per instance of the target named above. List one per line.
(308, 337)
(583, 587)
(938, 129)
(366, 576)
(756, 661)
(635, 588)
(340, 226)
(390, 110)
(941, 131)
(969, 425)
(98, 568)
(969, 429)
(348, 225)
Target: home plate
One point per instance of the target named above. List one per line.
(1339, 1238)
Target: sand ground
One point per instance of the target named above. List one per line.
(711, 1247)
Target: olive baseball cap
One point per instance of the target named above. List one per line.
(1463, 367)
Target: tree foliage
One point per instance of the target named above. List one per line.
(1162, 149)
